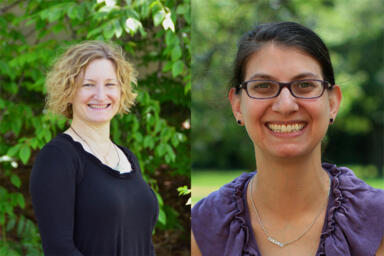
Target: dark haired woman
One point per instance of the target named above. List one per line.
(285, 95)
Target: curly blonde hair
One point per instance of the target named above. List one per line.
(62, 81)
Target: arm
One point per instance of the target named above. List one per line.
(52, 187)
(194, 247)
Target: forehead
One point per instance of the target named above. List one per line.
(281, 62)
(100, 69)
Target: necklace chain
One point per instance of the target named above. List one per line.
(274, 240)
(104, 156)
(117, 167)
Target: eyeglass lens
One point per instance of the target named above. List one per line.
(268, 89)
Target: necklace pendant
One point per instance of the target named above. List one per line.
(274, 241)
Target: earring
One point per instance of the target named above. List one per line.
(238, 122)
(331, 120)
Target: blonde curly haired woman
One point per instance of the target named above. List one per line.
(88, 193)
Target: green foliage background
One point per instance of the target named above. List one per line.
(155, 34)
(353, 31)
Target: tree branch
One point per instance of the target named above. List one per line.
(6, 8)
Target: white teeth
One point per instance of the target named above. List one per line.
(286, 127)
(98, 106)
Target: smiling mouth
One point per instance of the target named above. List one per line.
(286, 128)
(98, 106)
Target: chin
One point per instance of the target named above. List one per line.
(100, 120)
(292, 151)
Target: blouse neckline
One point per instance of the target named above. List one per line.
(252, 239)
(96, 160)
(334, 202)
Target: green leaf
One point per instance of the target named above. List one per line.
(13, 150)
(159, 199)
(8, 208)
(11, 224)
(144, 10)
(118, 29)
(33, 142)
(177, 68)
(183, 190)
(15, 180)
(16, 125)
(20, 200)
(47, 135)
(149, 142)
(176, 53)
(24, 153)
(108, 31)
(93, 33)
(162, 217)
(20, 226)
(54, 14)
(73, 12)
(161, 150)
(175, 140)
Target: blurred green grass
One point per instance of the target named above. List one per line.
(204, 182)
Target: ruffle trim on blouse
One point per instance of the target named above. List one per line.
(336, 205)
(352, 220)
(240, 224)
(240, 213)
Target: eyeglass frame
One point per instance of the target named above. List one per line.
(326, 85)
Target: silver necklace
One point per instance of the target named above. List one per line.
(93, 151)
(274, 240)
(117, 167)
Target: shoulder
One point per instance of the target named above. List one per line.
(355, 225)
(222, 199)
(354, 189)
(57, 155)
(219, 219)
(59, 147)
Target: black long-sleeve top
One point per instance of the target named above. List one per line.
(83, 207)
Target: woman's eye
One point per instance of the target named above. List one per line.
(261, 86)
(305, 84)
(264, 85)
(87, 85)
(110, 84)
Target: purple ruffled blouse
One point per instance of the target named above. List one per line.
(354, 223)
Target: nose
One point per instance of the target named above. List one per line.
(99, 92)
(285, 103)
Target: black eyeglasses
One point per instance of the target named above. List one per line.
(303, 89)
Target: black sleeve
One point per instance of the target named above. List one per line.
(52, 187)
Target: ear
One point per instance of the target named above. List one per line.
(235, 100)
(335, 97)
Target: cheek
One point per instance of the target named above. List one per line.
(117, 94)
(252, 110)
(319, 114)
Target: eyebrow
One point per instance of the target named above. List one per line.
(296, 77)
(108, 79)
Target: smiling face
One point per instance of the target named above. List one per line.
(97, 99)
(284, 126)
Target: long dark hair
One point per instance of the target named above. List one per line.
(285, 33)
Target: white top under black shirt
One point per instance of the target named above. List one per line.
(84, 207)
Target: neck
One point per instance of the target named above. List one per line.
(92, 133)
(289, 186)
